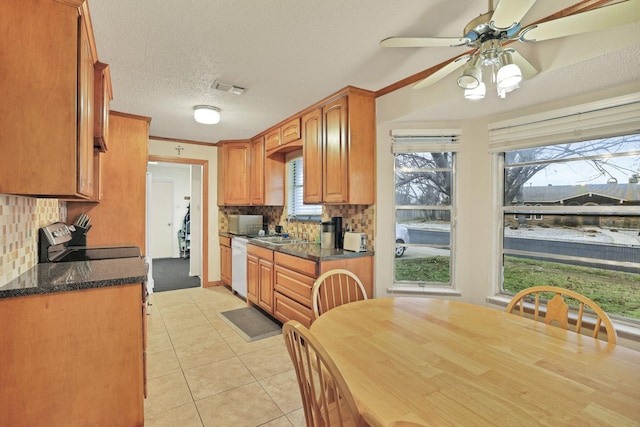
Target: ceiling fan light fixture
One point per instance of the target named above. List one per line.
(476, 93)
(472, 75)
(206, 114)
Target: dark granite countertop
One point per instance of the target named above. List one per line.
(311, 251)
(70, 276)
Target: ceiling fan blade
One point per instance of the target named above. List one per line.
(509, 13)
(597, 19)
(443, 72)
(424, 42)
(525, 66)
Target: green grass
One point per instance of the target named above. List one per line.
(615, 292)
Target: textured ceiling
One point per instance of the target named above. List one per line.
(288, 54)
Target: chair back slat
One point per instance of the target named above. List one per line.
(557, 310)
(334, 288)
(326, 398)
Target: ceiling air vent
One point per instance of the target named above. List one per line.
(226, 87)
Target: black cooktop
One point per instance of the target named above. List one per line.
(87, 253)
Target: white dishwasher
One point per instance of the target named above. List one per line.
(239, 266)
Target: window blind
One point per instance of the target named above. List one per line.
(613, 117)
(414, 140)
(295, 190)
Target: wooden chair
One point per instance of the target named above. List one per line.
(326, 398)
(334, 288)
(558, 310)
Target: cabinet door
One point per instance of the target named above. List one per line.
(102, 99)
(85, 114)
(253, 278)
(312, 156)
(265, 269)
(290, 131)
(225, 264)
(256, 171)
(335, 152)
(236, 173)
(273, 139)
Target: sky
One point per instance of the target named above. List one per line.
(583, 172)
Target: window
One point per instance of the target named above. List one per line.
(424, 206)
(295, 187)
(585, 198)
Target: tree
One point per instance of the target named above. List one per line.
(425, 179)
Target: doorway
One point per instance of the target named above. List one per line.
(175, 193)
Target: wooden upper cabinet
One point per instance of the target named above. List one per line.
(119, 218)
(273, 139)
(312, 156)
(256, 171)
(102, 98)
(335, 152)
(46, 108)
(339, 150)
(290, 131)
(247, 177)
(233, 173)
(285, 138)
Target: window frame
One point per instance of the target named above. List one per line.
(597, 120)
(427, 141)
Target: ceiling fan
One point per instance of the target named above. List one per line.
(490, 34)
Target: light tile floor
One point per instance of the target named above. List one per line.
(200, 372)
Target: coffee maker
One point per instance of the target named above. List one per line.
(339, 237)
(327, 235)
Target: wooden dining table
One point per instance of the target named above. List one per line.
(439, 363)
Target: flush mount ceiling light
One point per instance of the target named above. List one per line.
(206, 114)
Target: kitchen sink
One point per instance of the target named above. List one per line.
(279, 240)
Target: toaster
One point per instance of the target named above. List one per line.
(355, 242)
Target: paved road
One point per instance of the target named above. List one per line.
(576, 249)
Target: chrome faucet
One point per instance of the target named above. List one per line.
(294, 216)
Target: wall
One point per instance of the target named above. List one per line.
(208, 153)
(20, 218)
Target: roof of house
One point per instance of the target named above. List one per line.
(557, 193)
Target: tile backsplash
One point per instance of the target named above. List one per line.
(20, 218)
(359, 218)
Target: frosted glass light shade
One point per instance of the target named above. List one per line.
(206, 114)
(476, 93)
(508, 76)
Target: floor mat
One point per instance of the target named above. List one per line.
(251, 324)
(170, 274)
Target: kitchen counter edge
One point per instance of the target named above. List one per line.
(50, 278)
(311, 251)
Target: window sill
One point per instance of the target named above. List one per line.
(624, 330)
(415, 290)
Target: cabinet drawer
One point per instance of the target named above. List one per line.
(225, 241)
(287, 309)
(260, 252)
(294, 285)
(301, 265)
(290, 131)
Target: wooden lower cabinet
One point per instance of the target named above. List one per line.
(225, 260)
(287, 309)
(73, 358)
(260, 277)
(294, 278)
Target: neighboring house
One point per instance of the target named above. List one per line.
(578, 195)
(582, 195)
